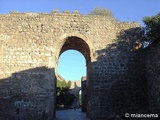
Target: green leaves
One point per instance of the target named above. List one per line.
(63, 84)
(63, 96)
(152, 29)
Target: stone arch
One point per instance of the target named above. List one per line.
(62, 39)
(76, 94)
(74, 89)
(78, 44)
(75, 43)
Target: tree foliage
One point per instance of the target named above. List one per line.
(63, 85)
(101, 11)
(152, 29)
(63, 96)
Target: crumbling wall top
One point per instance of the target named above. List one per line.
(15, 15)
(54, 12)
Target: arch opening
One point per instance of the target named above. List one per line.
(78, 44)
(71, 61)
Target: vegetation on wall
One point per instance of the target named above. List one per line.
(64, 98)
(152, 28)
(101, 11)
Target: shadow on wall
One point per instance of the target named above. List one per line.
(119, 83)
(152, 60)
(28, 94)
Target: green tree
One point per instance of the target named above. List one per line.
(152, 29)
(63, 96)
(101, 11)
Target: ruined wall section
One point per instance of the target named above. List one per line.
(152, 56)
(84, 94)
(118, 83)
(29, 51)
(26, 71)
(25, 29)
(24, 43)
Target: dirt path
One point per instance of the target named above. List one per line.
(71, 114)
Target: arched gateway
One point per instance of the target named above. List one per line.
(31, 43)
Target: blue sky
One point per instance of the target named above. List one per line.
(123, 10)
(72, 65)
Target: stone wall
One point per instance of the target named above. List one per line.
(119, 83)
(31, 91)
(31, 43)
(75, 89)
(152, 59)
(84, 94)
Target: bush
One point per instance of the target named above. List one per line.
(64, 98)
(152, 28)
(101, 11)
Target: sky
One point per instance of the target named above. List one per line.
(71, 65)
